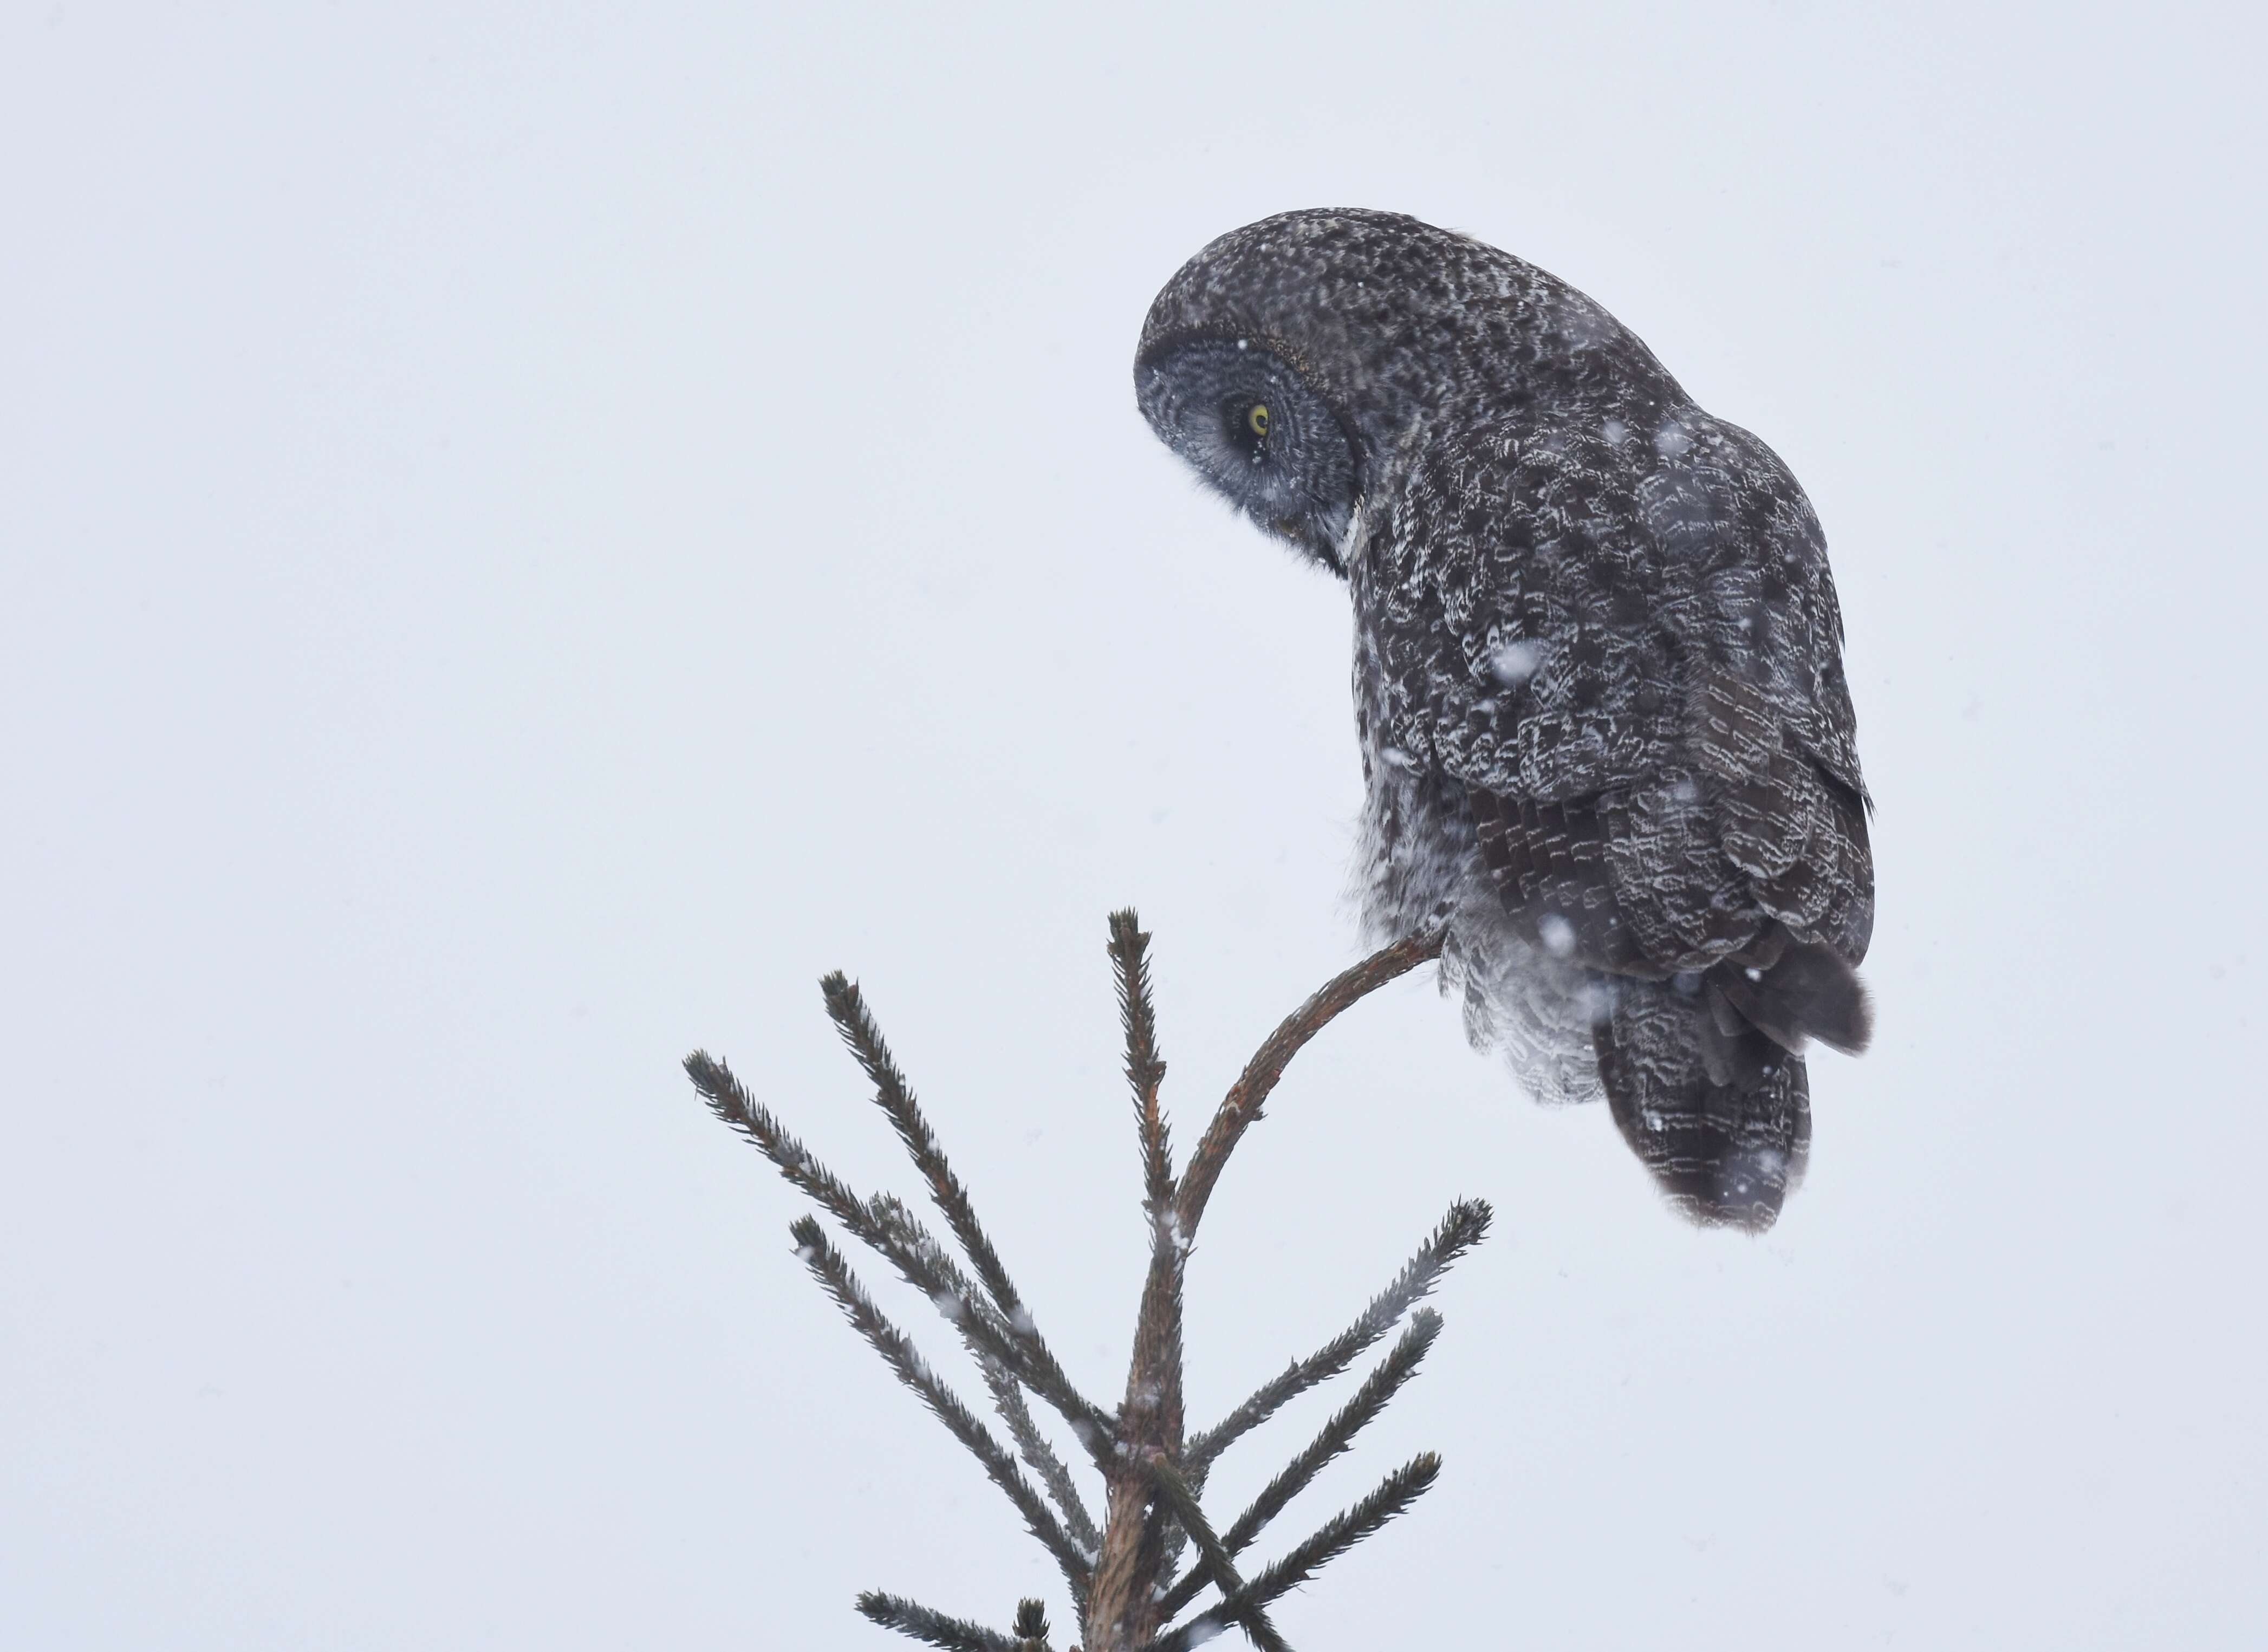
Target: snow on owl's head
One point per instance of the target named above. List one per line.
(1289, 361)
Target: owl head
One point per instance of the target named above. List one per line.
(1249, 423)
(1293, 361)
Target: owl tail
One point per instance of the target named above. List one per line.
(1791, 990)
(1717, 1110)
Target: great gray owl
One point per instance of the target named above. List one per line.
(1606, 738)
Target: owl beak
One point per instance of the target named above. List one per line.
(1311, 537)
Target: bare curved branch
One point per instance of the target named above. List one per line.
(1245, 1098)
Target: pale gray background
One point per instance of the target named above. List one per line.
(525, 538)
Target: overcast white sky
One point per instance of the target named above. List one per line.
(526, 536)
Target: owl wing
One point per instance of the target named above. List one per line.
(1625, 644)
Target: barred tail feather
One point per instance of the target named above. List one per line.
(1720, 1115)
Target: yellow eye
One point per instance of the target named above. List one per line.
(1258, 419)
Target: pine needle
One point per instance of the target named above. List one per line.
(1214, 1556)
(1032, 1626)
(1146, 1070)
(952, 1634)
(846, 1007)
(905, 1361)
(1395, 1492)
(968, 1315)
(1338, 1435)
(1033, 1447)
(923, 1265)
(1463, 1228)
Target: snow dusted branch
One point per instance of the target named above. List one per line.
(1341, 1533)
(1214, 1555)
(1463, 1228)
(906, 1363)
(1338, 1434)
(934, 1628)
(1119, 1577)
(883, 1226)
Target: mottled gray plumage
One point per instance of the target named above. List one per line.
(1599, 690)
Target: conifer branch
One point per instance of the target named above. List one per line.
(923, 1265)
(1134, 1555)
(952, 1634)
(1213, 1555)
(1245, 1098)
(1338, 1435)
(752, 1118)
(1120, 1574)
(977, 1321)
(1033, 1447)
(846, 1007)
(1395, 1492)
(1146, 1070)
(969, 1314)
(905, 1361)
(1464, 1226)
